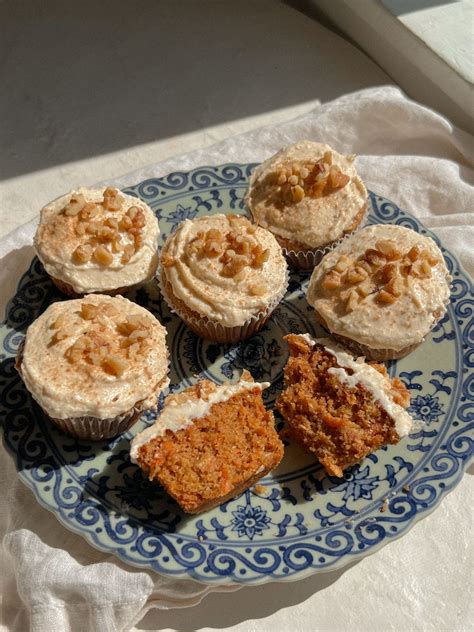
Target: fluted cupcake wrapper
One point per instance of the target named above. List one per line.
(92, 428)
(95, 429)
(309, 259)
(68, 290)
(210, 330)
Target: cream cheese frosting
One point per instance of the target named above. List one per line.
(66, 386)
(56, 240)
(201, 283)
(182, 409)
(420, 303)
(313, 222)
(362, 373)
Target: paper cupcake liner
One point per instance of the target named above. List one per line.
(307, 258)
(68, 290)
(376, 355)
(93, 428)
(208, 329)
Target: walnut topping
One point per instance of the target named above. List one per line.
(114, 365)
(88, 311)
(236, 249)
(112, 201)
(103, 256)
(75, 205)
(99, 345)
(297, 181)
(101, 230)
(383, 271)
(82, 254)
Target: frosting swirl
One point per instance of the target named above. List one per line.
(395, 307)
(311, 221)
(224, 268)
(61, 234)
(97, 356)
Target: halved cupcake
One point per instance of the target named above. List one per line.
(381, 291)
(309, 196)
(97, 241)
(338, 408)
(223, 276)
(95, 364)
(210, 443)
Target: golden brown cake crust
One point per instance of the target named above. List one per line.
(340, 425)
(217, 456)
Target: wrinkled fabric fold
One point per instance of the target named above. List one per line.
(53, 579)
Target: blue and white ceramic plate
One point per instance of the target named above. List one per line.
(300, 521)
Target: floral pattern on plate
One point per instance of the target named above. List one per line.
(297, 521)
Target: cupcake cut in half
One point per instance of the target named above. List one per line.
(210, 443)
(338, 408)
(94, 364)
(223, 276)
(381, 291)
(309, 196)
(97, 240)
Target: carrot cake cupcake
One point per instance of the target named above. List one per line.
(210, 443)
(381, 291)
(97, 240)
(309, 196)
(94, 364)
(223, 276)
(338, 408)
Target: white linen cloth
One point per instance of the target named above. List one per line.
(53, 580)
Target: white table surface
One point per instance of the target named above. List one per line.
(176, 81)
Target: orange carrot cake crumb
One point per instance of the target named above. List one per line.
(338, 408)
(210, 443)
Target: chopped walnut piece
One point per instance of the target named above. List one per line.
(89, 311)
(374, 257)
(356, 275)
(395, 286)
(352, 301)
(413, 253)
(125, 223)
(259, 255)
(388, 248)
(103, 256)
(385, 297)
(60, 334)
(342, 263)
(75, 205)
(112, 201)
(240, 276)
(115, 365)
(327, 158)
(366, 288)
(112, 222)
(331, 280)
(337, 179)
(80, 228)
(388, 272)
(128, 252)
(117, 245)
(82, 254)
(297, 193)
